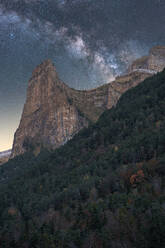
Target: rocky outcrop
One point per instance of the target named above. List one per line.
(154, 62)
(54, 113)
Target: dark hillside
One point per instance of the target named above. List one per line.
(104, 188)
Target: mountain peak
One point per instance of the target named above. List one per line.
(47, 63)
(45, 67)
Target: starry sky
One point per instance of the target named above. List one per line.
(89, 41)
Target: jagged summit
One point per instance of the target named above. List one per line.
(46, 64)
(46, 67)
(54, 113)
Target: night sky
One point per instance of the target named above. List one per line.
(89, 41)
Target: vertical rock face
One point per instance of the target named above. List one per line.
(48, 118)
(54, 113)
(154, 62)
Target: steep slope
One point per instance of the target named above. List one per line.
(54, 113)
(104, 188)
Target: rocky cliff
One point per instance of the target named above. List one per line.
(54, 113)
(154, 62)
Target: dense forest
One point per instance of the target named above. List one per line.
(104, 188)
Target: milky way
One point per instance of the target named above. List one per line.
(89, 41)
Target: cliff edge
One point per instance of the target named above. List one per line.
(53, 113)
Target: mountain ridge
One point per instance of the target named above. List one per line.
(53, 112)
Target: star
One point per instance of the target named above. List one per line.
(12, 36)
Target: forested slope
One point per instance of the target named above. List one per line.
(104, 188)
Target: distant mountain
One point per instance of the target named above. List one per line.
(54, 113)
(104, 188)
(5, 153)
(4, 156)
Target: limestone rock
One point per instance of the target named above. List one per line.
(154, 62)
(54, 113)
(122, 84)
